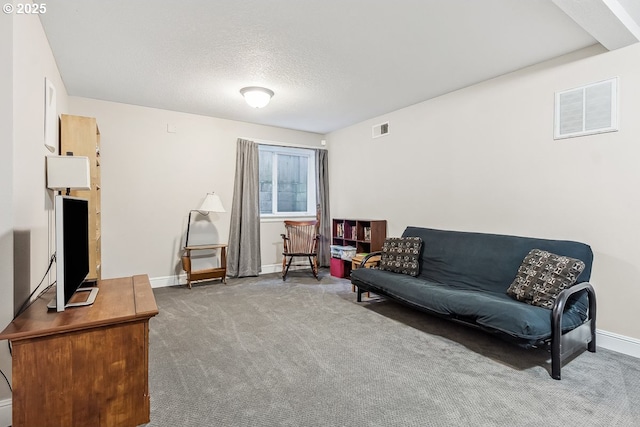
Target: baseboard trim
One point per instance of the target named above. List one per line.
(272, 268)
(5, 412)
(277, 268)
(619, 343)
(181, 279)
(164, 281)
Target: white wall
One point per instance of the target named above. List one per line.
(484, 159)
(25, 61)
(6, 195)
(32, 62)
(152, 178)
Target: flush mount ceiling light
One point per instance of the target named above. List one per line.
(256, 97)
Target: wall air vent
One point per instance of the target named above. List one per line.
(380, 130)
(587, 110)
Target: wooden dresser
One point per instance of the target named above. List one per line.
(85, 366)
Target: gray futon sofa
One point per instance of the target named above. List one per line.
(465, 276)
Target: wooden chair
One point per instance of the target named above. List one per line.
(300, 240)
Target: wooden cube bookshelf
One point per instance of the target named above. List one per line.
(366, 235)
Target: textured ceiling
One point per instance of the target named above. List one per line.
(331, 63)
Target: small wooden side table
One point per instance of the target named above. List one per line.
(209, 273)
(374, 261)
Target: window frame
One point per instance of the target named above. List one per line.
(307, 153)
(613, 108)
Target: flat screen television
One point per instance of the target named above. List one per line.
(72, 252)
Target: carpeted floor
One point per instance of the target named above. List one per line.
(262, 352)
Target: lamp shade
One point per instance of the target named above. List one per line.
(257, 97)
(70, 172)
(211, 203)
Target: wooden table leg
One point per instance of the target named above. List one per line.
(223, 263)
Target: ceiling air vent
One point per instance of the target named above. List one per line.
(587, 110)
(380, 130)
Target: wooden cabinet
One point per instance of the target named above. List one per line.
(79, 136)
(85, 366)
(366, 235)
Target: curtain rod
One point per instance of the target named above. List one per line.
(281, 144)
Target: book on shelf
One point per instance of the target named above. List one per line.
(367, 233)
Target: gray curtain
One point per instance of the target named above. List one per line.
(244, 235)
(322, 192)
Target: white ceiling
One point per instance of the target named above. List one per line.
(331, 63)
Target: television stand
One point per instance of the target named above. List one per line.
(88, 366)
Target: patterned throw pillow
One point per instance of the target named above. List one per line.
(542, 276)
(401, 255)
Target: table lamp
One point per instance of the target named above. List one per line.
(68, 172)
(211, 203)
